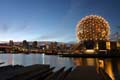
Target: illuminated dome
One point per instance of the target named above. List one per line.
(93, 27)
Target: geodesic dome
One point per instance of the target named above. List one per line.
(93, 27)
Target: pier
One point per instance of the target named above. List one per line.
(45, 72)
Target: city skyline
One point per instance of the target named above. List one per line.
(55, 20)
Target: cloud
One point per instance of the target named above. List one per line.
(46, 37)
(21, 29)
(4, 28)
(51, 36)
(59, 37)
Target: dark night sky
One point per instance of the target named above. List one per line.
(52, 20)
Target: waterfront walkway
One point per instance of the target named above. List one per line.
(45, 72)
(84, 73)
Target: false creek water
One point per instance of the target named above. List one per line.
(111, 66)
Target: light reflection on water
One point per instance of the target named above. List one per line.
(111, 66)
(24, 59)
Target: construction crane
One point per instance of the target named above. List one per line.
(115, 36)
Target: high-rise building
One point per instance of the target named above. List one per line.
(34, 44)
(25, 44)
(11, 43)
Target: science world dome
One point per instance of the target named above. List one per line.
(92, 27)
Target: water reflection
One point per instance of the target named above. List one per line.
(107, 66)
(85, 61)
(111, 66)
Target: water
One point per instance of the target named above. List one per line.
(111, 66)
